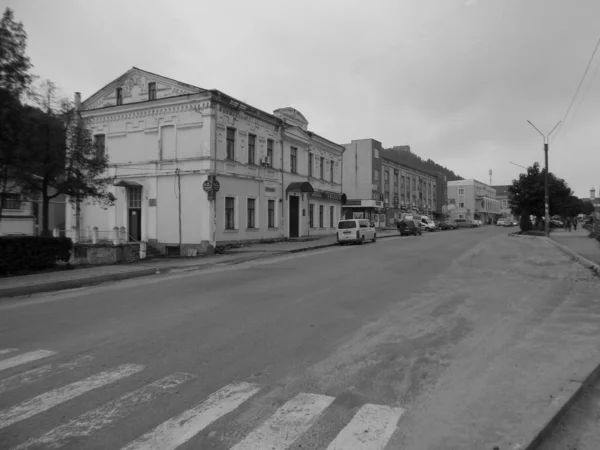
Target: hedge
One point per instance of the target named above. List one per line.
(31, 253)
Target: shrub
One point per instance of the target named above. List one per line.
(30, 253)
(525, 223)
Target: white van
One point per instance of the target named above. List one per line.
(425, 222)
(355, 230)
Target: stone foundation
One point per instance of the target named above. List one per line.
(97, 254)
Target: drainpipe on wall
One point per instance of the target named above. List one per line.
(177, 173)
(214, 171)
(283, 223)
(77, 201)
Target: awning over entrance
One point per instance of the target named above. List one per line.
(127, 183)
(301, 186)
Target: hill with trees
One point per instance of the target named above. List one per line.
(406, 156)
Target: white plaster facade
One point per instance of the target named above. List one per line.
(164, 139)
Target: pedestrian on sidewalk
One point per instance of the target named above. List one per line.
(568, 224)
(575, 224)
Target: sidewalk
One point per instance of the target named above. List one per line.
(577, 244)
(69, 279)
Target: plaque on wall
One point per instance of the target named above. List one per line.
(152, 202)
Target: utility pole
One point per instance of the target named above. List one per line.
(546, 193)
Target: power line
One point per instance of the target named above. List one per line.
(580, 84)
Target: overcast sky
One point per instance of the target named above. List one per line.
(455, 79)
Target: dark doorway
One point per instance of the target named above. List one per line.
(135, 224)
(294, 216)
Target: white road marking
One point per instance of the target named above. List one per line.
(31, 376)
(171, 434)
(110, 412)
(24, 358)
(287, 424)
(370, 429)
(50, 399)
(8, 350)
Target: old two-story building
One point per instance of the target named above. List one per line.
(473, 200)
(380, 187)
(196, 168)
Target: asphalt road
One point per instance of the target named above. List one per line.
(324, 349)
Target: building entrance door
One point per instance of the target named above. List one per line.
(294, 216)
(134, 222)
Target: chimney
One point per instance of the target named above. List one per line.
(77, 101)
(592, 194)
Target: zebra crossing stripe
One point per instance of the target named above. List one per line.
(178, 430)
(24, 358)
(110, 412)
(287, 424)
(370, 429)
(50, 399)
(31, 376)
(8, 350)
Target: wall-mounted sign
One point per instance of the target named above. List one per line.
(152, 202)
(270, 189)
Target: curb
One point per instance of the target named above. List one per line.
(72, 283)
(583, 261)
(559, 408)
(92, 280)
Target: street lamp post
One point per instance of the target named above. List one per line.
(546, 193)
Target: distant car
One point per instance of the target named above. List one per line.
(500, 222)
(355, 230)
(465, 223)
(478, 223)
(409, 227)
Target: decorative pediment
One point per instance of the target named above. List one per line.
(135, 88)
(292, 116)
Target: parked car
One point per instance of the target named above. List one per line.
(465, 223)
(355, 230)
(500, 222)
(478, 222)
(408, 227)
(425, 222)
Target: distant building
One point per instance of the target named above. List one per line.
(380, 187)
(502, 195)
(473, 200)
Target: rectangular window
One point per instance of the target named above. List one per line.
(100, 145)
(461, 205)
(11, 201)
(311, 215)
(461, 191)
(396, 180)
(293, 160)
(386, 178)
(134, 196)
(321, 218)
(251, 149)
(119, 96)
(229, 213)
(387, 197)
(271, 212)
(251, 213)
(322, 168)
(231, 143)
(331, 171)
(310, 164)
(376, 176)
(331, 221)
(152, 91)
(270, 150)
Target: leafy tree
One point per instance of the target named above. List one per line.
(60, 156)
(525, 222)
(527, 193)
(588, 208)
(14, 82)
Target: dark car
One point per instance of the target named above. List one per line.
(407, 227)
